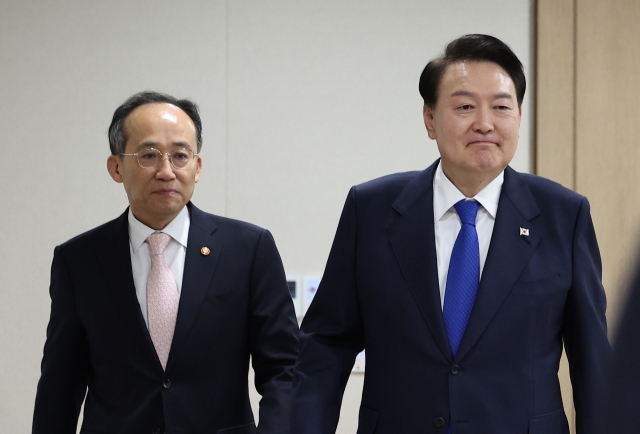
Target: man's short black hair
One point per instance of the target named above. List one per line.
(117, 133)
(480, 48)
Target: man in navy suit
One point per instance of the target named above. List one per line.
(451, 348)
(162, 344)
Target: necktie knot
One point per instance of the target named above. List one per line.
(158, 242)
(467, 210)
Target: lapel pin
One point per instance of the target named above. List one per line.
(205, 250)
(524, 232)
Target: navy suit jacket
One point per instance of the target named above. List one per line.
(234, 304)
(380, 292)
(623, 416)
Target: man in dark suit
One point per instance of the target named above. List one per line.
(462, 281)
(156, 314)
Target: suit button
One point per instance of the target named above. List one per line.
(455, 369)
(439, 422)
(166, 384)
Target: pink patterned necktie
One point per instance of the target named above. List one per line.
(162, 298)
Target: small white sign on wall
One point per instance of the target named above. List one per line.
(295, 290)
(309, 288)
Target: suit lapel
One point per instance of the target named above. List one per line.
(412, 237)
(198, 272)
(115, 260)
(509, 253)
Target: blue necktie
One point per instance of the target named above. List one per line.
(462, 278)
(463, 275)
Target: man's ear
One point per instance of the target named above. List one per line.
(199, 168)
(113, 166)
(427, 114)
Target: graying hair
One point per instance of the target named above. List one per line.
(117, 133)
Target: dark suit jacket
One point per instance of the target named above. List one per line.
(623, 416)
(234, 304)
(380, 292)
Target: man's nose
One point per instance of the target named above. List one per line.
(165, 169)
(484, 120)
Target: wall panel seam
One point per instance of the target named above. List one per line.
(226, 109)
(574, 163)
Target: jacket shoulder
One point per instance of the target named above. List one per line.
(545, 188)
(392, 182)
(100, 232)
(237, 225)
(230, 227)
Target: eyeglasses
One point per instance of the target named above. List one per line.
(149, 158)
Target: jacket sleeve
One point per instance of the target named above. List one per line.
(273, 337)
(332, 335)
(63, 379)
(585, 326)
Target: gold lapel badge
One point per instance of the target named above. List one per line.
(524, 232)
(205, 251)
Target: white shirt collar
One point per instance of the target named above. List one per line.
(446, 194)
(178, 229)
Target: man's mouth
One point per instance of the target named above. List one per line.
(486, 143)
(166, 191)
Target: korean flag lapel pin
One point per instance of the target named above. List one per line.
(524, 232)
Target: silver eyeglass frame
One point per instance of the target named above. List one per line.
(162, 155)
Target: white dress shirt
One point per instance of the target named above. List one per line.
(174, 254)
(447, 223)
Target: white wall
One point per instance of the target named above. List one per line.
(300, 100)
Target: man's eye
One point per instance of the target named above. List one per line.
(180, 155)
(466, 107)
(502, 107)
(147, 155)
